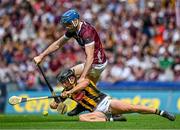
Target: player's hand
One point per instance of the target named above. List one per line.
(38, 59)
(66, 94)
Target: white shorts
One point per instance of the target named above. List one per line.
(103, 106)
(96, 69)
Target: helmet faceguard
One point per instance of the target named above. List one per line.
(65, 76)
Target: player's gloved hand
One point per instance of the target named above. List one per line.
(53, 105)
(66, 94)
(38, 59)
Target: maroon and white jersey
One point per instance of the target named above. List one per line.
(87, 35)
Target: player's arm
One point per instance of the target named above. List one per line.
(53, 47)
(77, 88)
(89, 50)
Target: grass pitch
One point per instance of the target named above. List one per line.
(135, 121)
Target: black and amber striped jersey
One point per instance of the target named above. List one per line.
(89, 97)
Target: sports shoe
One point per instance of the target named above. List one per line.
(168, 115)
(119, 118)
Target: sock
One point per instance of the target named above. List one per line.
(159, 112)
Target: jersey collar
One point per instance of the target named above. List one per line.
(80, 27)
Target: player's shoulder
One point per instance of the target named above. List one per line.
(85, 23)
(87, 26)
(87, 29)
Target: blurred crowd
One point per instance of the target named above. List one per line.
(141, 39)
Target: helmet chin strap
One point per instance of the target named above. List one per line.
(72, 83)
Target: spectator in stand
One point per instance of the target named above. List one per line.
(177, 73)
(120, 72)
(165, 61)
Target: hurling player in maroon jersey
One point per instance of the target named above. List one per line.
(88, 39)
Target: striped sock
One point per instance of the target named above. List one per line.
(161, 113)
(158, 112)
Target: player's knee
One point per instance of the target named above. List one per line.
(53, 105)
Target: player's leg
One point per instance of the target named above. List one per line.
(118, 106)
(78, 69)
(123, 107)
(93, 117)
(110, 117)
(99, 116)
(93, 74)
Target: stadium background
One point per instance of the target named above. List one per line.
(141, 38)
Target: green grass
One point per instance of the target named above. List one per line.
(135, 121)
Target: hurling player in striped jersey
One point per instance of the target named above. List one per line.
(98, 103)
